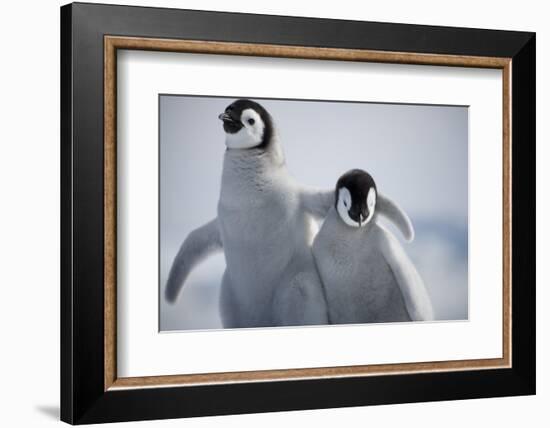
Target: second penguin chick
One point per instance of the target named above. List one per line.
(366, 274)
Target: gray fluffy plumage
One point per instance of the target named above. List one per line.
(367, 275)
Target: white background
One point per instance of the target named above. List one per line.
(144, 352)
(29, 226)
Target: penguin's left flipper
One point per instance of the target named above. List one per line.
(301, 302)
(394, 213)
(415, 295)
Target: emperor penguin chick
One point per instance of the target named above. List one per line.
(365, 272)
(264, 227)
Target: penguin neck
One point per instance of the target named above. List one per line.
(255, 162)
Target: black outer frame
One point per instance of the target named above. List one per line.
(83, 399)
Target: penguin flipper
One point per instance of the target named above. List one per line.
(317, 202)
(198, 245)
(415, 295)
(394, 213)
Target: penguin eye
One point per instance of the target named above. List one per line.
(251, 121)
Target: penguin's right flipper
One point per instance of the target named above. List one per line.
(396, 215)
(317, 202)
(198, 245)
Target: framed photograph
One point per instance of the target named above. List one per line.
(265, 213)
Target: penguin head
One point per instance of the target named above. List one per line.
(356, 197)
(247, 125)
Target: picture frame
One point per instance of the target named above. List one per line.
(91, 35)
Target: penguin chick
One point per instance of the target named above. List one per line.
(365, 272)
(263, 227)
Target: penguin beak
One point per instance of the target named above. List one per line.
(225, 117)
(360, 219)
(231, 124)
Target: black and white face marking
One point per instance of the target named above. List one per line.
(356, 197)
(246, 124)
